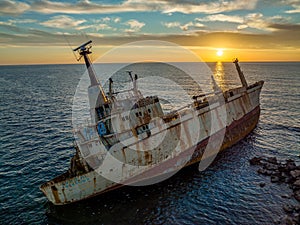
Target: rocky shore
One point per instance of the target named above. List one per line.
(282, 172)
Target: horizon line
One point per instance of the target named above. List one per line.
(216, 61)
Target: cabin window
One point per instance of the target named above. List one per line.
(231, 94)
(137, 115)
(100, 112)
(149, 110)
(140, 113)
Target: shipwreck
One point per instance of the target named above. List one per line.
(124, 126)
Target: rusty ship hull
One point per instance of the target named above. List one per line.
(243, 110)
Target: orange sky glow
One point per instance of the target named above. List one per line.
(43, 32)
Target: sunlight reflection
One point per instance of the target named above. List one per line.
(219, 75)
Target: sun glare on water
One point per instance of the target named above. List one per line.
(220, 52)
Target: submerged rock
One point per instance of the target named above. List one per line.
(262, 184)
(285, 196)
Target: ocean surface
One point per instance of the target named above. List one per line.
(36, 145)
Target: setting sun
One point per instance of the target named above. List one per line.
(220, 52)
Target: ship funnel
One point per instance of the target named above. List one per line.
(241, 75)
(83, 51)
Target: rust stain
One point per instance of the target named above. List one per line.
(55, 194)
(95, 186)
(138, 153)
(124, 155)
(148, 157)
(63, 191)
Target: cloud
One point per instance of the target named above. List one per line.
(8, 7)
(260, 22)
(257, 21)
(242, 26)
(84, 7)
(20, 21)
(96, 27)
(191, 25)
(10, 27)
(295, 4)
(135, 26)
(117, 20)
(103, 26)
(164, 6)
(210, 7)
(253, 20)
(221, 18)
(107, 20)
(295, 10)
(284, 37)
(185, 27)
(62, 21)
(171, 24)
(285, 27)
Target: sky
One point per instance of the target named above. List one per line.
(43, 31)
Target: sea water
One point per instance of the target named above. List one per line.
(36, 145)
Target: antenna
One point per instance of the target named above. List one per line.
(83, 51)
(82, 47)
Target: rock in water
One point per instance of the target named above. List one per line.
(285, 196)
(288, 208)
(290, 164)
(272, 160)
(296, 184)
(295, 173)
(270, 166)
(255, 161)
(297, 195)
(287, 172)
(274, 179)
(287, 220)
(262, 184)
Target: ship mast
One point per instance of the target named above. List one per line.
(241, 74)
(83, 50)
